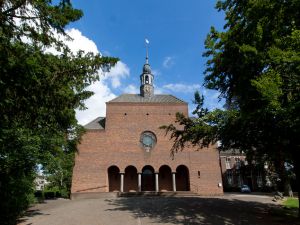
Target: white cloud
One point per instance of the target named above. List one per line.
(131, 89)
(211, 99)
(119, 71)
(159, 90)
(102, 92)
(168, 62)
(80, 42)
(95, 104)
(183, 88)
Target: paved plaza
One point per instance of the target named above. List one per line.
(227, 209)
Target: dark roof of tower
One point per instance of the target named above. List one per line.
(96, 124)
(147, 68)
(136, 98)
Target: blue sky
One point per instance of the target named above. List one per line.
(176, 31)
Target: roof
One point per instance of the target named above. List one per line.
(96, 124)
(136, 98)
(231, 152)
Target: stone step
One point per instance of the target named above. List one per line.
(162, 194)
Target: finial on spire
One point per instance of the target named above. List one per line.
(147, 43)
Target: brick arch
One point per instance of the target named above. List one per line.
(113, 173)
(130, 179)
(173, 167)
(182, 178)
(165, 178)
(141, 167)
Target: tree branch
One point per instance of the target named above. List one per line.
(18, 5)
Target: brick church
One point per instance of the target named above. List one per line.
(127, 151)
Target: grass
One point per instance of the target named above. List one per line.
(291, 203)
(288, 211)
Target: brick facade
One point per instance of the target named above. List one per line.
(119, 145)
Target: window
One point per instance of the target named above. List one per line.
(148, 140)
(238, 162)
(227, 163)
(240, 180)
(229, 178)
(147, 80)
(259, 179)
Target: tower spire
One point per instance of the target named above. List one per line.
(147, 88)
(147, 52)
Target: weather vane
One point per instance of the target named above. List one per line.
(146, 43)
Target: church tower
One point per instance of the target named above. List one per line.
(147, 88)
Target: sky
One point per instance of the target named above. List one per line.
(176, 31)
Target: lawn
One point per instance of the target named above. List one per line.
(291, 203)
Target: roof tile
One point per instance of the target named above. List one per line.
(136, 98)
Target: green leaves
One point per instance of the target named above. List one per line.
(39, 94)
(269, 85)
(199, 132)
(254, 63)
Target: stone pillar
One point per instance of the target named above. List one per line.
(156, 183)
(174, 180)
(139, 182)
(122, 182)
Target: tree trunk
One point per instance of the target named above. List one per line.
(280, 170)
(287, 188)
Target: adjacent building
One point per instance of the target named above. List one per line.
(236, 171)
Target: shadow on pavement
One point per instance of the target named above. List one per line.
(30, 213)
(197, 211)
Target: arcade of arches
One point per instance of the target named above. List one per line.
(148, 180)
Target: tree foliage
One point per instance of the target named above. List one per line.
(254, 62)
(39, 93)
(197, 131)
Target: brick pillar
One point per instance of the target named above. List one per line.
(156, 183)
(122, 182)
(139, 182)
(174, 180)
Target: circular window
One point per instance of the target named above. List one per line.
(148, 140)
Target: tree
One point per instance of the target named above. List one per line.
(39, 94)
(199, 132)
(255, 65)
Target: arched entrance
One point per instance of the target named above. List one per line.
(165, 178)
(130, 179)
(182, 178)
(113, 178)
(148, 179)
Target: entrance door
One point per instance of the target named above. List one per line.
(182, 178)
(165, 178)
(130, 179)
(148, 179)
(113, 179)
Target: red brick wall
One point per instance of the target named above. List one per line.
(119, 145)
